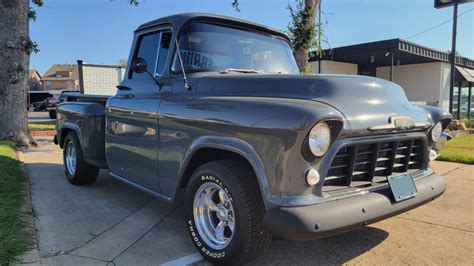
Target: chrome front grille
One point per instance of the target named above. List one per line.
(375, 161)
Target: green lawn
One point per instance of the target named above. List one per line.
(13, 238)
(460, 149)
(36, 126)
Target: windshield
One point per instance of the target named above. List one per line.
(209, 47)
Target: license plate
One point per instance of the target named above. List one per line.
(403, 187)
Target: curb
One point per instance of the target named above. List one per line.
(43, 133)
(31, 257)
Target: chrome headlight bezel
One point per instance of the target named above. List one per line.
(319, 139)
(436, 131)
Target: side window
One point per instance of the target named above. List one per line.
(154, 49)
(163, 53)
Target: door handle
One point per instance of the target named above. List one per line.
(123, 88)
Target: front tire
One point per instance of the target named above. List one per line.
(224, 213)
(77, 171)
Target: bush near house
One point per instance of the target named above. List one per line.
(467, 122)
(460, 149)
(13, 236)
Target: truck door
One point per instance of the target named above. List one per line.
(132, 115)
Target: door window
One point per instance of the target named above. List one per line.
(154, 49)
(163, 53)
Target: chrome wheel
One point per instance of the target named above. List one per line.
(214, 215)
(71, 158)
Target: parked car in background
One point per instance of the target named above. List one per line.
(37, 100)
(214, 110)
(38, 106)
(58, 97)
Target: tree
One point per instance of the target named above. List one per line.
(303, 31)
(15, 49)
(123, 62)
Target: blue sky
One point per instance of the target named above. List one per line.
(100, 31)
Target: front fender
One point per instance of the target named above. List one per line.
(234, 145)
(437, 114)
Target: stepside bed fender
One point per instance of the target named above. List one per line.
(67, 127)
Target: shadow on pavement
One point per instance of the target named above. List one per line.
(333, 250)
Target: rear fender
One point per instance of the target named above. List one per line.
(67, 127)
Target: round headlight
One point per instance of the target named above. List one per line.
(436, 131)
(319, 139)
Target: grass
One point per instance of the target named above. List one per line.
(460, 149)
(36, 126)
(13, 236)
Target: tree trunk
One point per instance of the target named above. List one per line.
(14, 61)
(302, 55)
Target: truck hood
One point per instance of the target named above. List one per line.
(365, 102)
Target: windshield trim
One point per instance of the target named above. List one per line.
(273, 34)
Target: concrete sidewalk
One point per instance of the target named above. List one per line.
(110, 223)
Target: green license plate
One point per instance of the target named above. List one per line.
(403, 187)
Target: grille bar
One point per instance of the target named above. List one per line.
(373, 166)
(391, 162)
(363, 162)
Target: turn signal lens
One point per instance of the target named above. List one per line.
(312, 177)
(436, 132)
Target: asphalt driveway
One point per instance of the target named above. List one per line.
(110, 223)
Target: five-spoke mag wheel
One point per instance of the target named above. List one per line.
(214, 215)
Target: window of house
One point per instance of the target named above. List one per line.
(48, 85)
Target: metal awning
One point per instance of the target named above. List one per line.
(378, 54)
(467, 73)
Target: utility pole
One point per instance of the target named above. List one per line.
(453, 59)
(319, 39)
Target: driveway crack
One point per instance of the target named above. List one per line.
(108, 229)
(441, 225)
(148, 231)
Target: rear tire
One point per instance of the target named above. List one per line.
(77, 171)
(225, 194)
(52, 114)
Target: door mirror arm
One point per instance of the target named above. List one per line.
(140, 65)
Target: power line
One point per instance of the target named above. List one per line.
(441, 24)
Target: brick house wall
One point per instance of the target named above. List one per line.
(100, 79)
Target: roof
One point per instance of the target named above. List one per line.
(405, 52)
(32, 72)
(54, 69)
(179, 20)
(467, 73)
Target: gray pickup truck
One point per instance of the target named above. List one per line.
(214, 110)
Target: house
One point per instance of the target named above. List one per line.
(34, 80)
(423, 72)
(61, 77)
(84, 78)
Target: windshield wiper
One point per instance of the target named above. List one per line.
(240, 70)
